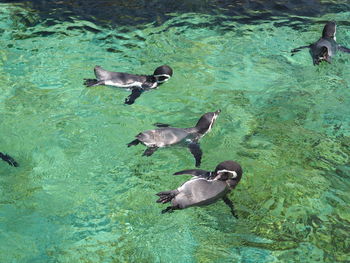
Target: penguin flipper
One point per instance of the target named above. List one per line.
(161, 125)
(230, 205)
(136, 92)
(149, 151)
(7, 158)
(92, 82)
(344, 49)
(295, 50)
(195, 172)
(196, 152)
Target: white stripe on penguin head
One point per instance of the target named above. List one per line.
(234, 174)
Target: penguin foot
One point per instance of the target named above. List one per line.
(168, 209)
(166, 196)
(7, 158)
(134, 142)
(149, 151)
(91, 82)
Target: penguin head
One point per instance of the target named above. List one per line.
(163, 74)
(205, 123)
(230, 172)
(329, 30)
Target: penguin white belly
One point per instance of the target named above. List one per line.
(199, 191)
(119, 84)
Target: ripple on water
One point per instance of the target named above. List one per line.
(80, 195)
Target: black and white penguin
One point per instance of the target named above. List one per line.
(166, 136)
(7, 158)
(136, 83)
(326, 47)
(206, 188)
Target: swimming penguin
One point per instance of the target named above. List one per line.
(7, 158)
(326, 47)
(166, 136)
(136, 83)
(206, 188)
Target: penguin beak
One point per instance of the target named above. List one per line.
(216, 114)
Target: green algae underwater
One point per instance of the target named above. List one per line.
(80, 195)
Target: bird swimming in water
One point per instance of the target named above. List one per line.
(326, 47)
(136, 83)
(205, 188)
(167, 136)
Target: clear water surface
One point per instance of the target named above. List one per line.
(80, 195)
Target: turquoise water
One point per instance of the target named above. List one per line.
(80, 195)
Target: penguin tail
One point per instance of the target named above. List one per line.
(91, 82)
(166, 196)
(133, 143)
